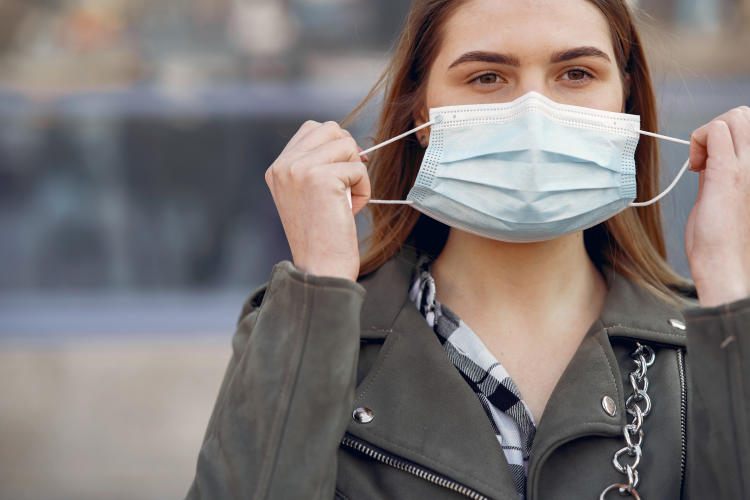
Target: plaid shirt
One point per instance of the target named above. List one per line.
(510, 417)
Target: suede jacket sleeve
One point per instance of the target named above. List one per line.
(286, 396)
(718, 426)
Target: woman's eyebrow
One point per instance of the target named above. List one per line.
(568, 54)
(490, 57)
(512, 60)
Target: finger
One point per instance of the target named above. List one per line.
(337, 151)
(306, 127)
(323, 133)
(739, 128)
(698, 152)
(701, 182)
(363, 158)
(354, 175)
(711, 142)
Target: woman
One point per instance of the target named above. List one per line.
(554, 367)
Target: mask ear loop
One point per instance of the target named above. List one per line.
(676, 179)
(666, 191)
(417, 129)
(382, 145)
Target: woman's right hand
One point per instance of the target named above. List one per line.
(309, 183)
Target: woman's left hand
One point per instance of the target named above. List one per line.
(717, 236)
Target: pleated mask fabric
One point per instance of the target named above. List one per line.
(528, 170)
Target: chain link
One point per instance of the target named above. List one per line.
(638, 405)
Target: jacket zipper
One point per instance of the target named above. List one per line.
(683, 416)
(409, 467)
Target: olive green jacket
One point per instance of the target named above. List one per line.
(310, 350)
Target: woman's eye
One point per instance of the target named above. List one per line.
(488, 79)
(577, 75)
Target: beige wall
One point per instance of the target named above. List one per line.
(116, 420)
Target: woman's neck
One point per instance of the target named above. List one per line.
(526, 283)
(531, 304)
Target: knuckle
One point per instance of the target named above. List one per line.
(332, 126)
(274, 170)
(719, 123)
(282, 175)
(307, 174)
(295, 171)
(736, 112)
(346, 133)
(312, 178)
(309, 123)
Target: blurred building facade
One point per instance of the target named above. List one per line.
(132, 133)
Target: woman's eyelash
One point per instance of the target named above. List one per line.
(495, 76)
(585, 73)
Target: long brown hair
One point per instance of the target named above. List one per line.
(632, 242)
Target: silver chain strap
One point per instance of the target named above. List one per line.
(643, 357)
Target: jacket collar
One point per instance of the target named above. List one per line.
(632, 311)
(426, 413)
(387, 294)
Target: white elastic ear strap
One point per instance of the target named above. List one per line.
(417, 129)
(381, 145)
(676, 179)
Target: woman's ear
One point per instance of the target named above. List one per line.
(423, 136)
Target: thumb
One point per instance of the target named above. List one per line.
(710, 143)
(357, 182)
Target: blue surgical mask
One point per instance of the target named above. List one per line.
(528, 170)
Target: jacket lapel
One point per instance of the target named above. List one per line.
(423, 410)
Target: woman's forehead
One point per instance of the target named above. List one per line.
(525, 28)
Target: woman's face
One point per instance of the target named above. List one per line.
(497, 51)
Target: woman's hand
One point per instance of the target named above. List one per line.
(309, 182)
(717, 236)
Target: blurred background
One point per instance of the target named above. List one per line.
(134, 218)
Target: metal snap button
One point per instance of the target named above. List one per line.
(609, 406)
(677, 324)
(363, 415)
